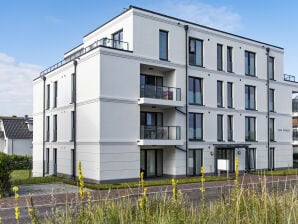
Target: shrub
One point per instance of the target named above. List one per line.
(21, 162)
(5, 170)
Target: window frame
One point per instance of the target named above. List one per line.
(194, 52)
(55, 128)
(195, 117)
(167, 45)
(248, 139)
(193, 84)
(219, 52)
(248, 57)
(55, 94)
(230, 96)
(272, 65)
(271, 100)
(219, 84)
(271, 129)
(249, 87)
(220, 134)
(230, 128)
(229, 59)
(48, 93)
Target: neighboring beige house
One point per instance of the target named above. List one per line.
(16, 135)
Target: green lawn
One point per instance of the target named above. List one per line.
(277, 172)
(19, 177)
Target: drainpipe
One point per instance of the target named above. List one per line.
(268, 109)
(75, 63)
(43, 121)
(186, 96)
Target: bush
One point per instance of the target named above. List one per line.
(5, 171)
(21, 162)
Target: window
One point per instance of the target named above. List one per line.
(152, 126)
(219, 94)
(230, 128)
(219, 127)
(55, 92)
(72, 128)
(271, 100)
(271, 129)
(55, 128)
(47, 129)
(151, 86)
(73, 83)
(250, 68)
(117, 39)
(151, 162)
(219, 57)
(195, 91)
(230, 94)
(163, 45)
(47, 161)
(195, 52)
(271, 158)
(250, 129)
(251, 159)
(271, 68)
(250, 97)
(195, 126)
(229, 59)
(194, 162)
(48, 96)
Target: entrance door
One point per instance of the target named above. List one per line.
(55, 162)
(228, 154)
(195, 161)
(152, 162)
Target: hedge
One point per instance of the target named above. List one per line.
(6, 168)
(21, 162)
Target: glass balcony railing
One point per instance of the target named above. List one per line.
(161, 132)
(160, 92)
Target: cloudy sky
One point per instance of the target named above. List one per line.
(36, 33)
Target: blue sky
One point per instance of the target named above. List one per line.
(36, 33)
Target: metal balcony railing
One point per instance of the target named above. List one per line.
(289, 78)
(161, 132)
(104, 42)
(160, 92)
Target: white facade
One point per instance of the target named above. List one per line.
(109, 139)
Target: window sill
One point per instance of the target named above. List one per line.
(251, 141)
(196, 140)
(274, 80)
(164, 59)
(196, 104)
(220, 140)
(251, 75)
(200, 66)
(251, 109)
(230, 141)
(230, 72)
(220, 106)
(273, 111)
(231, 108)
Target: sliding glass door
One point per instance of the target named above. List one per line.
(152, 162)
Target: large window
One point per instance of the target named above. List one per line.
(151, 86)
(230, 128)
(194, 162)
(195, 91)
(55, 93)
(271, 100)
(251, 159)
(271, 158)
(47, 137)
(152, 162)
(229, 59)
(250, 129)
(250, 97)
(48, 92)
(271, 129)
(219, 57)
(230, 94)
(117, 39)
(271, 68)
(195, 126)
(250, 64)
(219, 94)
(195, 52)
(219, 127)
(163, 45)
(55, 128)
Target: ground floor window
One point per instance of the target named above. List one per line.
(227, 154)
(251, 159)
(47, 161)
(194, 161)
(152, 162)
(271, 158)
(73, 162)
(55, 162)
(295, 156)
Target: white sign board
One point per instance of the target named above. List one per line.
(223, 164)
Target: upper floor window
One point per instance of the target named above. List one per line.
(195, 52)
(195, 126)
(230, 94)
(73, 80)
(151, 86)
(219, 57)
(55, 128)
(163, 45)
(271, 129)
(118, 39)
(271, 68)
(47, 137)
(219, 127)
(230, 128)
(250, 97)
(55, 93)
(195, 91)
(229, 59)
(219, 94)
(250, 129)
(48, 92)
(72, 126)
(271, 100)
(250, 63)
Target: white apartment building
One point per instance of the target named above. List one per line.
(148, 92)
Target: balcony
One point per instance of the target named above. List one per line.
(160, 135)
(160, 95)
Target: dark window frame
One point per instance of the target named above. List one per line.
(271, 129)
(272, 65)
(248, 58)
(249, 129)
(55, 94)
(72, 126)
(229, 59)
(48, 89)
(47, 137)
(219, 88)
(194, 152)
(249, 89)
(230, 128)
(219, 127)
(195, 115)
(230, 102)
(272, 165)
(72, 97)
(271, 100)
(219, 51)
(192, 82)
(55, 123)
(166, 58)
(117, 38)
(193, 53)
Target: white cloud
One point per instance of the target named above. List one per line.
(222, 17)
(16, 86)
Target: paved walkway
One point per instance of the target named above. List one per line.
(42, 194)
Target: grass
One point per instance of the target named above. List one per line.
(21, 177)
(277, 172)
